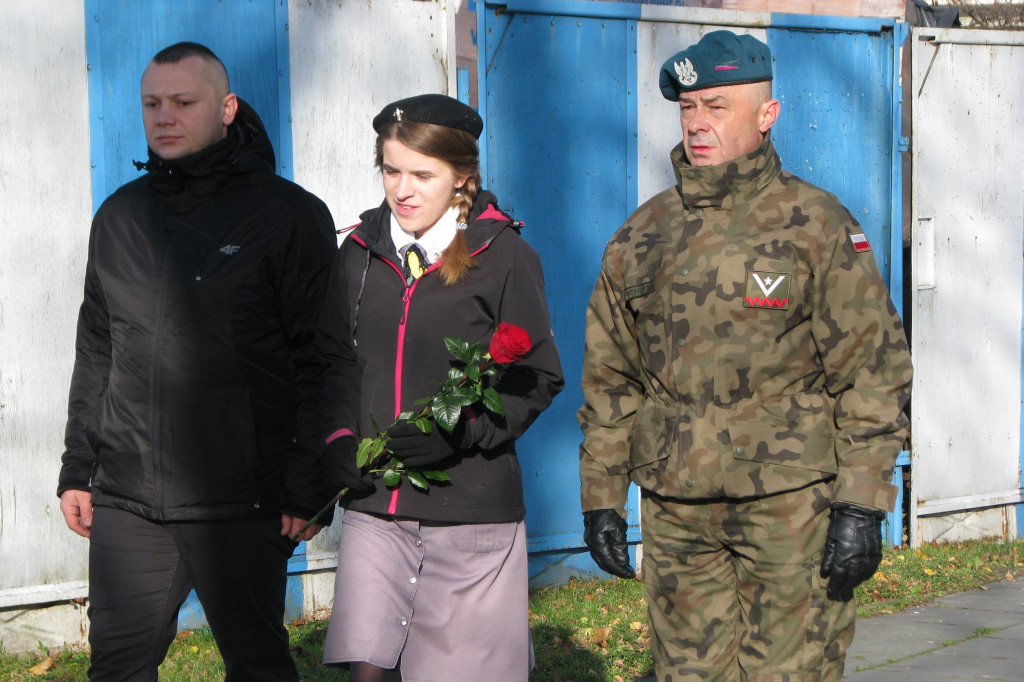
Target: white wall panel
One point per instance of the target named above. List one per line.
(968, 273)
(45, 209)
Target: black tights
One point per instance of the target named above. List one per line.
(367, 672)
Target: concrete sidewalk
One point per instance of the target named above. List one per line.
(976, 635)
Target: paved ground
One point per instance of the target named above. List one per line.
(976, 635)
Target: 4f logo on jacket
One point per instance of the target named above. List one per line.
(229, 249)
(767, 290)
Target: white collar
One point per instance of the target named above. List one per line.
(434, 241)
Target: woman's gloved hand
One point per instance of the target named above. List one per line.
(416, 449)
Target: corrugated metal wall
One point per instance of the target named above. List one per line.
(578, 135)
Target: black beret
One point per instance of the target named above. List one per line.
(437, 109)
(719, 58)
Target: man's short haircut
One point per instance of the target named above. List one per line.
(172, 54)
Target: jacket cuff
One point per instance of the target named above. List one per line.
(863, 490)
(73, 480)
(609, 492)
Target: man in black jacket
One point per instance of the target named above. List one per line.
(190, 457)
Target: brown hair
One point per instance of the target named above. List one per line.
(458, 149)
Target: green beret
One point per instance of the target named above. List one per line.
(437, 109)
(719, 58)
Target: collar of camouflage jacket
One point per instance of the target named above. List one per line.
(725, 184)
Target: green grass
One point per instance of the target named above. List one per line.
(585, 631)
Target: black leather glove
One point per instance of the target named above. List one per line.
(338, 464)
(853, 549)
(604, 532)
(416, 449)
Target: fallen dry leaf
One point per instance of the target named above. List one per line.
(600, 636)
(41, 667)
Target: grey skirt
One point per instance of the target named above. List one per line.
(448, 603)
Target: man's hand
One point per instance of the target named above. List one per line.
(604, 532)
(338, 464)
(76, 505)
(416, 449)
(290, 525)
(853, 549)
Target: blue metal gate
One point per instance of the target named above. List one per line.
(565, 88)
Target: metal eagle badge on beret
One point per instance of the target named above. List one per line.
(685, 71)
(767, 290)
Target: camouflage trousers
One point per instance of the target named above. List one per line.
(733, 590)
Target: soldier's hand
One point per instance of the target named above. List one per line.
(853, 549)
(604, 532)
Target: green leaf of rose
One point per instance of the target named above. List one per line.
(417, 480)
(369, 450)
(392, 478)
(458, 348)
(446, 410)
(466, 395)
(439, 476)
(492, 401)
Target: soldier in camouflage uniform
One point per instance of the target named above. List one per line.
(746, 368)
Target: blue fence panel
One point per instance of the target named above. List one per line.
(558, 103)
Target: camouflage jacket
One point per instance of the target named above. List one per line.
(741, 342)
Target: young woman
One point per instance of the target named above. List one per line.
(431, 585)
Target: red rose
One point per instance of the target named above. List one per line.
(509, 343)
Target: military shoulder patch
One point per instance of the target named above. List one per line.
(860, 242)
(767, 290)
(639, 290)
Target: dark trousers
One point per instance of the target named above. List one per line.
(140, 573)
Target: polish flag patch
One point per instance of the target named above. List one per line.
(860, 242)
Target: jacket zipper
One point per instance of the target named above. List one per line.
(157, 377)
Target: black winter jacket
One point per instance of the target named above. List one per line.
(196, 380)
(388, 338)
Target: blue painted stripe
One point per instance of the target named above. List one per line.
(481, 82)
(632, 119)
(899, 35)
(569, 8)
(574, 541)
(284, 90)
